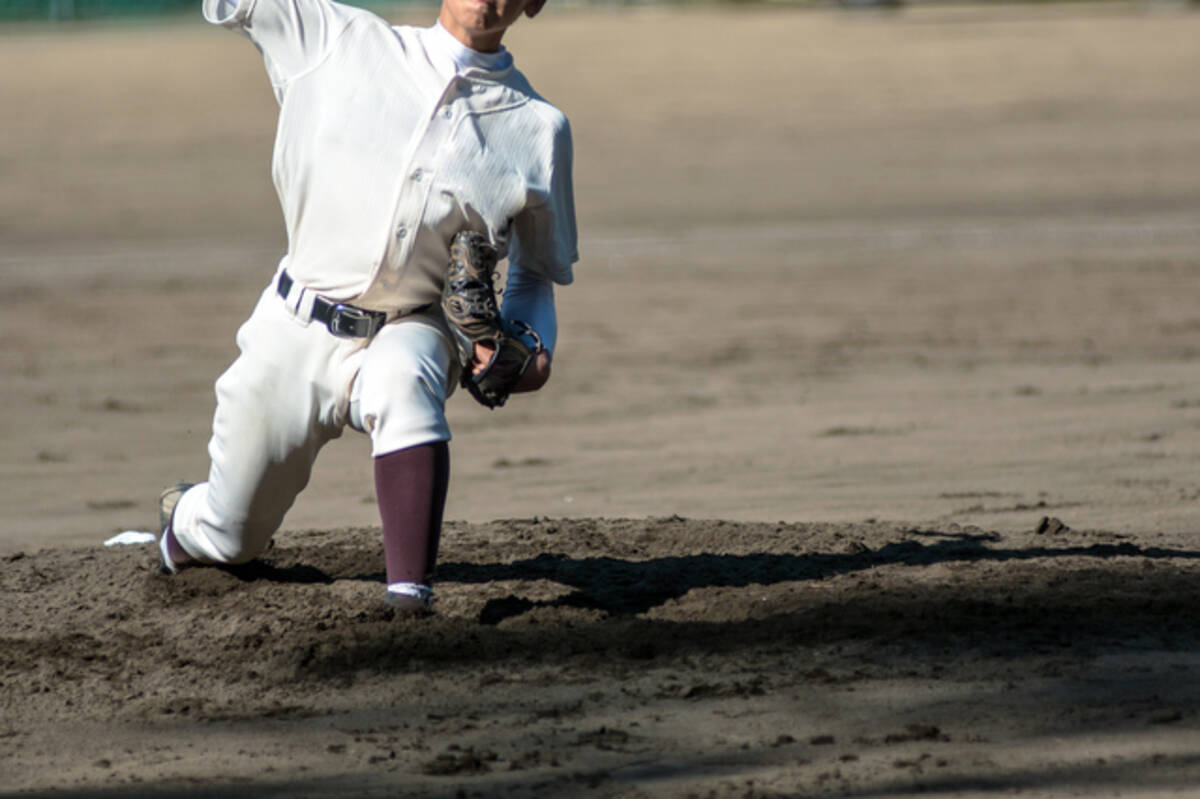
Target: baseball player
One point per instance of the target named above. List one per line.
(408, 161)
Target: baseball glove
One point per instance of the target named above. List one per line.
(473, 316)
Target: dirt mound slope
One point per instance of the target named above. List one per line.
(663, 656)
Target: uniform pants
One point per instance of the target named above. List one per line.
(295, 387)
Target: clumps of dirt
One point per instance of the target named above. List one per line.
(560, 642)
(1051, 526)
(458, 761)
(310, 608)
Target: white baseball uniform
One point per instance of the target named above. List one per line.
(390, 140)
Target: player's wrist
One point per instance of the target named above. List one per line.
(537, 374)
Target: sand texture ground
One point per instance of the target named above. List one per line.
(870, 465)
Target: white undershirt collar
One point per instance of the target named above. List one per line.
(465, 58)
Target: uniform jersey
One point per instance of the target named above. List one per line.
(375, 180)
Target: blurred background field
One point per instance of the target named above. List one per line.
(728, 114)
(74, 10)
(77, 10)
(883, 275)
(937, 262)
(71, 10)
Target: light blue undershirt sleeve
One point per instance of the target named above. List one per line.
(530, 299)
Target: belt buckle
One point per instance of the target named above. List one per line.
(346, 321)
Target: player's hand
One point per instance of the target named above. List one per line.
(480, 356)
(535, 375)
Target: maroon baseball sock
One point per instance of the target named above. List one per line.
(410, 485)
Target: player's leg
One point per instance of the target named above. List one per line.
(411, 487)
(277, 405)
(399, 400)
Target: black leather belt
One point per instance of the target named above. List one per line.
(344, 321)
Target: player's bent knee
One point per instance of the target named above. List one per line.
(237, 543)
(401, 403)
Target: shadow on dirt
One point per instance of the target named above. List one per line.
(1084, 632)
(1013, 603)
(620, 587)
(627, 592)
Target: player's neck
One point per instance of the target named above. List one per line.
(467, 58)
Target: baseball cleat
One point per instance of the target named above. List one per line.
(409, 600)
(167, 501)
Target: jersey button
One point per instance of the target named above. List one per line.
(401, 233)
(417, 175)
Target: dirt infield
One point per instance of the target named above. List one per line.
(657, 657)
(869, 466)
